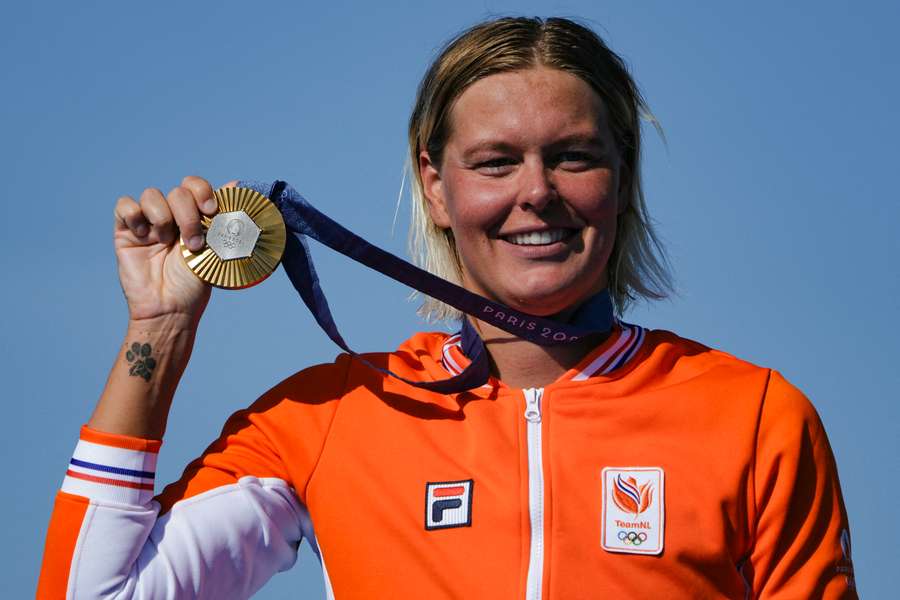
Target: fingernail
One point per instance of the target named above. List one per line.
(196, 242)
(141, 230)
(210, 205)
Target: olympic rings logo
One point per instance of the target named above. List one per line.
(632, 538)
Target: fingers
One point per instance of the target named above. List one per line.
(129, 216)
(187, 216)
(163, 217)
(156, 211)
(202, 192)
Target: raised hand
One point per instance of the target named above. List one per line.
(156, 282)
(165, 302)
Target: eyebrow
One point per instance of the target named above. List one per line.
(580, 139)
(487, 146)
(576, 139)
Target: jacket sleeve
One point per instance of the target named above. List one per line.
(234, 518)
(802, 538)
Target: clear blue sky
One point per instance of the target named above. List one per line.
(777, 199)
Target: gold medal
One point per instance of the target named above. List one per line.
(244, 240)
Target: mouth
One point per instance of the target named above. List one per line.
(544, 237)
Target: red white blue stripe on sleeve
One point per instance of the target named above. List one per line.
(112, 468)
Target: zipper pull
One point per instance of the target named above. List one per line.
(533, 404)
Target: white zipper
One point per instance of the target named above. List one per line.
(535, 493)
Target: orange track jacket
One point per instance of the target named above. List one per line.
(657, 468)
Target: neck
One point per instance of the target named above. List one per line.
(522, 364)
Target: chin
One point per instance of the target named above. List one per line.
(541, 294)
(545, 303)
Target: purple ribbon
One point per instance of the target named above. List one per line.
(300, 218)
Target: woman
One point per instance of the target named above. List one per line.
(631, 462)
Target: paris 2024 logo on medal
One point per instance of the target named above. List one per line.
(633, 510)
(244, 241)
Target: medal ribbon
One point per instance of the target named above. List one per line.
(302, 219)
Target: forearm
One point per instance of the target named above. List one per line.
(143, 379)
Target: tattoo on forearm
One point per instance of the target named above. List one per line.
(142, 364)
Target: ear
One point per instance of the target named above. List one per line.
(433, 186)
(623, 196)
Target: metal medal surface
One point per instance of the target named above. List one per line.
(244, 240)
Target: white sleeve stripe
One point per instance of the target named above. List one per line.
(133, 460)
(98, 470)
(110, 474)
(111, 491)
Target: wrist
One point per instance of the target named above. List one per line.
(170, 324)
(142, 382)
(158, 347)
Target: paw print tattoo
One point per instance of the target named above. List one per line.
(142, 364)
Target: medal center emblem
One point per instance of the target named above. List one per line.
(232, 235)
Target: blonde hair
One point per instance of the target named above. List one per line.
(637, 267)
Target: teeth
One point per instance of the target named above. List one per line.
(537, 238)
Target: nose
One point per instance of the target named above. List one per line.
(537, 189)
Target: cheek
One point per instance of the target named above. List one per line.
(480, 205)
(593, 198)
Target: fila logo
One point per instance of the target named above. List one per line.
(633, 510)
(448, 504)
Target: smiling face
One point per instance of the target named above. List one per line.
(529, 183)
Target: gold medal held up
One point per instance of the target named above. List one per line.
(244, 240)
